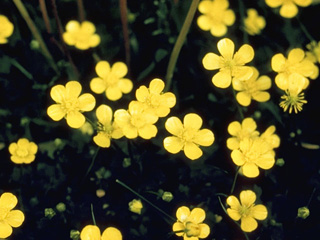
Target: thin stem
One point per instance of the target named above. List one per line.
(242, 17)
(81, 12)
(305, 31)
(24, 13)
(144, 199)
(312, 194)
(124, 21)
(92, 162)
(92, 215)
(238, 106)
(179, 43)
(21, 68)
(45, 17)
(234, 180)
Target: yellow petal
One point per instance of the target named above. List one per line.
(111, 233)
(168, 99)
(90, 232)
(204, 230)
(234, 214)
(8, 200)
(94, 40)
(222, 79)
(234, 128)
(15, 218)
(288, 10)
(232, 143)
(296, 55)
(75, 119)
(233, 202)
(73, 89)
(282, 81)
(104, 114)
(204, 137)
(264, 83)
(229, 17)
(211, 61)
(102, 140)
(178, 228)
(173, 144)
(250, 170)
(274, 3)
(192, 120)
(156, 86)
(113, 93)
(33, 148)
(237, 157)
(119, 69)
(218, 29)
(98, 85)
(5, 229)
(242, 72)
(69, 38)
(58, 93)
(244, 55)
(249, 125)
(121, 117)
(243, 98)
(247, 198)
(125, 85)
(205, 6)
(183, 213)
(259, 212)
(148, 131)
(303, 3)
(261, 96)
(277, 62)
(226, 48)
(266, 161)
(204, 22)
(73, 26)
(87, 27)
(13, 148)
(197, 215)
(56, 112)
(192, 151)
(103, 69)
(86, 102)
(248, 224)
(130, 131)
(174, 126)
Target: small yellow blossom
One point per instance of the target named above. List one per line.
(296, 63)
(6, 29)
(23, 151)
(70, 104)
(189, 224)
(288, 8)
(254, 23)
(92, 232)
(187, 136)
(314, 52)
(230, 64)
(270, 137)
(303, 212)
(215, 17)
(253, 88)
(106, 128)
(9, 218)
(154, 99)
(252, 154)
(246, 210)
(136, 122)
(135, 206)
(81, 35)
(111, 80)
(240, 131)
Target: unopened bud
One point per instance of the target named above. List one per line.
(49, 213)
(303, 212)
(167, 196)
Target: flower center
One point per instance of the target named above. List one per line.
(192, 229)
(22, 152)
(137, 121)
(188, 134)
(3, 213)
(292, 102)
(108, 129)
(70, 105)
(245, 211)
(112, 79)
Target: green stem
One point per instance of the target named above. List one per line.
(21, 68)
(238, 106)
(234, 181)
(144, 199)
(124, 21)
(179, 43)
(36, 33)
(92, 162)
(305, 31)
(312, 194)
(45, 17)
(92, 214)
(81, 11)
(242, 17)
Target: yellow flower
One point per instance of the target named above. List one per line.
(70, 104)
(189, 224)
(154, 99)
(288, 8)
(252, 154)
(294, 98)
(230, 65)
(296, 63)
(216, 16)
(23, 151)
(254, 23)
(247, 129)
(6, 29)
(135, 206)
(9, 218)
(253, 88)
(187, 136)
(246, 210)
(106, 128)
(111, 80)
(314, 52)
(136, 122)
(92, 232)
(81, 35)
(270, 137)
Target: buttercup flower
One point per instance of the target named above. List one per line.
(253, 88)
(270, 137)
(23, 151)
(314, 52)
(92, 232)
(6, 29)
(106, 128)
(154, 99)
(187, 136)
(111, 80)
(254, 23)
(252, 154)
(240, 131)
(296, 63)
(135, 206)
(216, 16)
(9, 218)
(136, 122)
(189, 224)
(81, 35)
(246, 210)
(288, 8)
(70, 104)
(230, 65)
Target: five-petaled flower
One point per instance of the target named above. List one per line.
(187, 136)
(9, 218)
(136, 122)
(154, 100)
(92, 232)
(253, 88)
(70, 104)
(6, 29)
(111, 80)
(254, 23)
(189, 223)
(230, 64)
(107, 129)
(81, 35)
(288, 8)
(246, 210)
(215, 16)
(23, 151)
